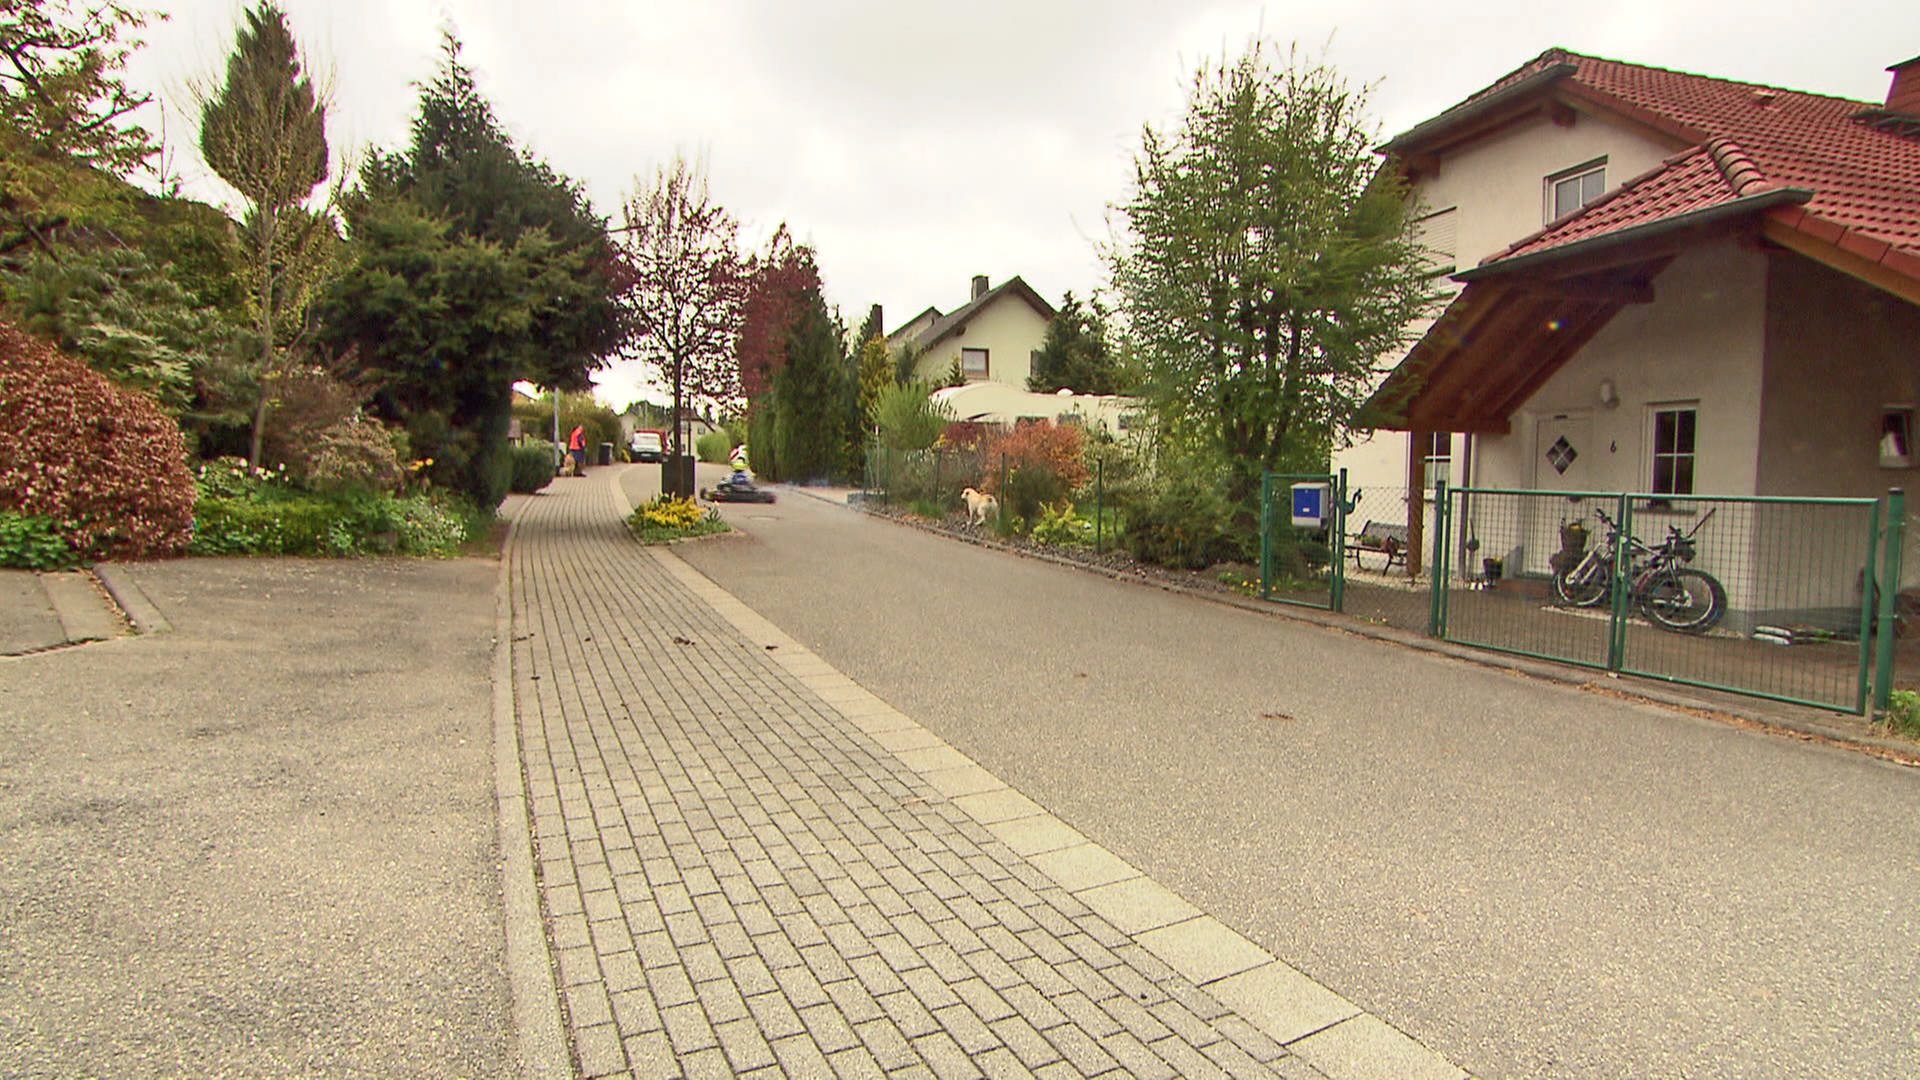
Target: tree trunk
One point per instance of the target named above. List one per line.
(268, 223)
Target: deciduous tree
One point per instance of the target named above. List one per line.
(684, 286)
(63, 103)
(1267, 263)
(776, 287)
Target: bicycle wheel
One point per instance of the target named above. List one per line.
(1583, 586)
(1684, 601)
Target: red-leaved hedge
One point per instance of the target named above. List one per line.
(105, 464)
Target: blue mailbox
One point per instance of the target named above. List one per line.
(1312, 504)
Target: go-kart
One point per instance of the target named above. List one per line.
(736, 488)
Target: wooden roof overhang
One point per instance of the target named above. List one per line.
(1519, 320)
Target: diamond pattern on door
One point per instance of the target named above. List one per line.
(1561, 454)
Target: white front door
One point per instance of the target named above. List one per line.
(1564, 459)
(1564, 453)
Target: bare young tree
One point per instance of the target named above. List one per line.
(684, 286)
(264, 131)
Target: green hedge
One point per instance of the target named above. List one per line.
(713, 447)
(533, 465)
(303, 524)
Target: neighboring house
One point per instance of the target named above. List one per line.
(1695, 286)
(992, 337)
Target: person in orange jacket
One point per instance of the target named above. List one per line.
(577, 449)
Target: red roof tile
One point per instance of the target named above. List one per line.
(1749, 139)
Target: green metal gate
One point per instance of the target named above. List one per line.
(1778, 598)
(1301, 564)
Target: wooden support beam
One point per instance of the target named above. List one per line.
(1499, 341)
(1577, 328)
(1608, 292)
(1829, 254)
(1416, 499)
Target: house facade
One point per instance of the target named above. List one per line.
(992, 337)
(1666, 283)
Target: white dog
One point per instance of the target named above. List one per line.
(979, 505)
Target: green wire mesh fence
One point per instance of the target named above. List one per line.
(1768, 597)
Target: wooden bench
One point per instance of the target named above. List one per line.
(1381, 538)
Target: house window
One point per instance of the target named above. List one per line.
(1675, 433)
(1439, 457)
(1437, 235)
(1575, 188)
(973, 363)
(1896, 437)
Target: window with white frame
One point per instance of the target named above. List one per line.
(973, 363)
(1675, 440)
(1438, 453)
(1569, 191)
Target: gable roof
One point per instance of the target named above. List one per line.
(1835, 180)
(1855, 174)
(945, 326)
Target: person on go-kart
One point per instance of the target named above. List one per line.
(738, 459)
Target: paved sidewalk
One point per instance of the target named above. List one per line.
(260, 844)
(750, 866)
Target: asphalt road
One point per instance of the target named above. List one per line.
(262, 843)
(1531, 879)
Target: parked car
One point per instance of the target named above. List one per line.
(649, 446)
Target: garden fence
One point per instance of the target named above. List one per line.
(1775, 598)
(931, 482)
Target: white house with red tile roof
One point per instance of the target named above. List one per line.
(1697, 285)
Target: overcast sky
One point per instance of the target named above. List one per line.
(917, 144)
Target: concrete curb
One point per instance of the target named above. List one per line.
(540, 1037)
(133, 602)
(1325, 1030)
(1806, 729)
(83, 613)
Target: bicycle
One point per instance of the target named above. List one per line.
(1670, 594)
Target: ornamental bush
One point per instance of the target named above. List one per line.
(1181, 525)
(533, 464)
(356, 454)
(713, 447)
(32, 543)
(105, 465)
(1059, 449)
(670, 518)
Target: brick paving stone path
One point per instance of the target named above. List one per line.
(738, 880)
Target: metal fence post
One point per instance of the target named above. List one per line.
(1622, 570)
(1889, 597)
(1266, 536)
(1436, 621)
(1443, 564)
(1869, 615)
(1000, 507)
(1337, 590)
